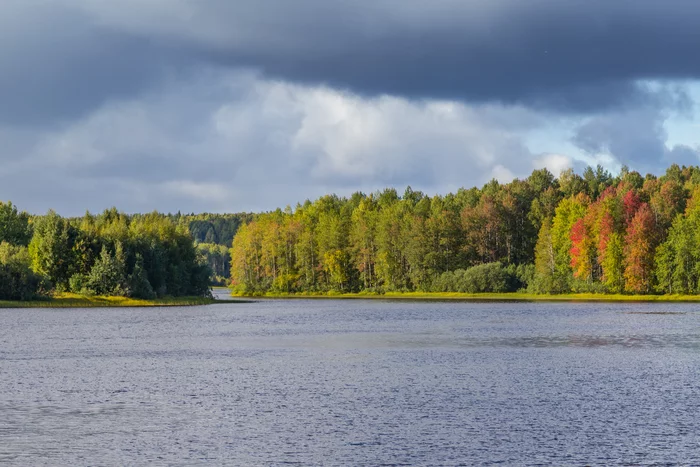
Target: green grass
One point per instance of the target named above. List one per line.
(522, 297)
(68, 300)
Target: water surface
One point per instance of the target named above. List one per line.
(351, 382)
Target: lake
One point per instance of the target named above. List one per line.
(352, 382)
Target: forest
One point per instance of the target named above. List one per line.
(213, 235)
(592, 233)
(587, 233)
(111, 254)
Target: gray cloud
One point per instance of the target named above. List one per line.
(230, 142)
(637, 137)
(63, 58)
(59, 63)
(250, 104)
(578, 55)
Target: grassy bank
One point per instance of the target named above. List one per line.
(67, 300)
(522, 297)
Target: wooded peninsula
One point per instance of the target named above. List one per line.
(595, 233)
(149, 259)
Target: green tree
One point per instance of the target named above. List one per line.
(14, 226)
(138, 284)
(553, 272)
(614, 264)
(17, 280)
(549, 277)
(108, 275)
(363, 237)
(52, 249)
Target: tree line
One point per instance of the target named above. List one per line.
(213, 234)
(141, 256)
(593, 232)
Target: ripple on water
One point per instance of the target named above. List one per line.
(351, 382)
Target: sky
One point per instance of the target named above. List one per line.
(250, 105)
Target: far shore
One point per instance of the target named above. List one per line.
(67, 300)
(466, 297)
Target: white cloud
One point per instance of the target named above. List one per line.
(232, 142)
(208, 192)
(555, 163)
(502, 174)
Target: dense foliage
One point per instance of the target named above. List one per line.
(218, 229)
(582, 233)
(14, 225)
(141, 256)
(17, 280)
(218, 258)
(213, 234)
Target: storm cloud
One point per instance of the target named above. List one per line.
(578, 55)
(573, 55)
(252, 104)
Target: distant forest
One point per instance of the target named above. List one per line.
(213, 235)
(113, 254)
(593, 232)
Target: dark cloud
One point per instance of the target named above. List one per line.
(58, 64)
(250, 104)
(61, 59)
(575, 55)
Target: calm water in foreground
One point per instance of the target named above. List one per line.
(352, 382)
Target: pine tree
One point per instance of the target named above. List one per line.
(139, 286)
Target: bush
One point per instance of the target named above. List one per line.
(521, 276)
(445, 282)
(491, 277)
(549, 284)
(580, 286)
(484, 278)
(78, 283)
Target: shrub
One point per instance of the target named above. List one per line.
(78, 283)
(484, 278)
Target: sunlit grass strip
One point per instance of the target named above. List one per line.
(522, 297)
(68, 300)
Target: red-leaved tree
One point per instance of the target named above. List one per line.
(640, 244)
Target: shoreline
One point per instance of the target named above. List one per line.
(79, 301)
(482, 297)
(67, 300)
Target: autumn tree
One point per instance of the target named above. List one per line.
(640, 244)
